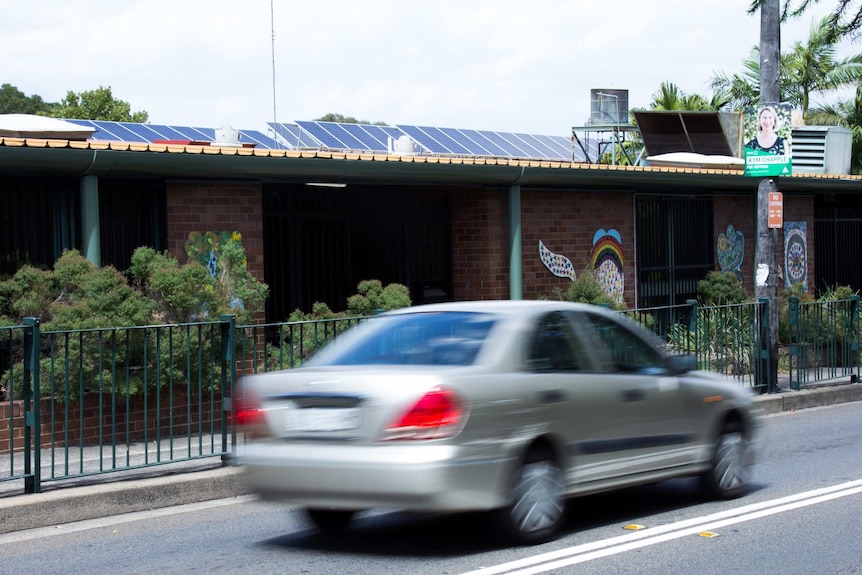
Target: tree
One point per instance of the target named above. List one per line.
(848, 114)
(808, 68)
(844, 20)
(342, 119)
(670, 97)
(14, 101)
(98, 104)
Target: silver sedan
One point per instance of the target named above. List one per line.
(509, 407)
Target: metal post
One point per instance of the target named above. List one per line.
(92, 245)
(515, 279)
(32, 420)
(228, 363)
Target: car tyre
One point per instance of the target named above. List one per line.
(729, 474)
(330, 520)
(537, 508)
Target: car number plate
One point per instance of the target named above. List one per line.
(322, 419)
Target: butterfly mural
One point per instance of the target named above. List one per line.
(558, 264)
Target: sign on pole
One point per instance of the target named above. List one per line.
(775, 210)
(767, 141)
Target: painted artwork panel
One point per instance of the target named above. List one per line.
(796, 254)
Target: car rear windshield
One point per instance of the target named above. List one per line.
(440, 338)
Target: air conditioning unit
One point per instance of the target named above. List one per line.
(821, 149)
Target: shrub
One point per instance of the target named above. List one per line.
(586, 288)
(721, 288)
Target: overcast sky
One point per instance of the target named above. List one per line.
(505, 65)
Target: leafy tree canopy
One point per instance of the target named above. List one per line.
(98, 104)
(342, 119)
(14, 101)
(845, 19)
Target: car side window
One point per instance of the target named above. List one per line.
(626, 351)
(553, 346)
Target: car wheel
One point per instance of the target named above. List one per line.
(537, 508)
(330, 520)
(730, 471)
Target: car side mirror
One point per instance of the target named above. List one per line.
(679, 364)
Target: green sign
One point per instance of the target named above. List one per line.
(767, 141)
(759, 163)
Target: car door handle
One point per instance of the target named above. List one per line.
(631, 395)
(552, 396)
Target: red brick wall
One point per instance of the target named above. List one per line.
(739, 212)
(566, 223)
(480, 244)
(216, 207)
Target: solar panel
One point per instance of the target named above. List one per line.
(259, 138)
(294, 136)
(425, 141)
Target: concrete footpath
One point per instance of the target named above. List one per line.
(113, 494)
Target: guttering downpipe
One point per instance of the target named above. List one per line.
(91, 236)
(516, 283)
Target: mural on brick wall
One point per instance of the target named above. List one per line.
(606, 258)
(796, 254)
(203, 247)
(558, 264)
(729, 248)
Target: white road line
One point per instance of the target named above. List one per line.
(589, 551)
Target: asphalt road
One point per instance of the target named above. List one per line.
(801, 517)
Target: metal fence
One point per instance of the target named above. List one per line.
(85, 402)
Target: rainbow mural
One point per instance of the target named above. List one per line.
(607, 260)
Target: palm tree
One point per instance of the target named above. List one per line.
(670, 97)
(848, 114)
(808, 68)
(843, 20)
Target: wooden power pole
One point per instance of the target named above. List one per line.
(766, 285)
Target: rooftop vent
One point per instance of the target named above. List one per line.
(821, 149)
(227, 137)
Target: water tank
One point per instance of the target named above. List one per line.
(609, 107)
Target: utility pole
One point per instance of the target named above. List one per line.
(767, 239)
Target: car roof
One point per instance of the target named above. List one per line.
(503, 307)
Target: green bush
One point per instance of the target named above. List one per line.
(79, 306)
(586, 288)
(721, 288)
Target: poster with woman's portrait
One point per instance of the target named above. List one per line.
(767, 141)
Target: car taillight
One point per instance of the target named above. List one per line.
(249, 415)
(436, 415)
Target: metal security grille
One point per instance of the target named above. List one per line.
(38, 220)
(320, 242)
(838, 249)
(132, 213)
(675, 248)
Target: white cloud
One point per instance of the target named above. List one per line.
(488, 64)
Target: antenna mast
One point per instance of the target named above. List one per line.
(272, 26)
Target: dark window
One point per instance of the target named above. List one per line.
(675, 248)
(838, 230)
(627, 352)
(39, 219)
(131, 214)
(553, 346)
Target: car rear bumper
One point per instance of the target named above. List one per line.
(406, 476)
